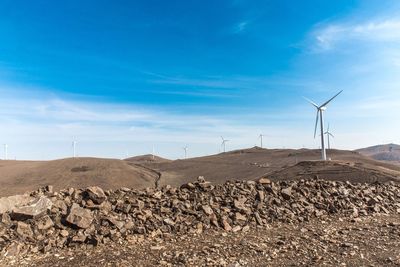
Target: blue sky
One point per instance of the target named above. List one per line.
(122, 76)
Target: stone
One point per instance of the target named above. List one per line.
(264, 180)
(261, 195)
(225, 224)
(240, 217)
(96, 194)
(34, 210)
(207, 209)
(169, 221)
(64, 233)
(24, 230)
(79, 217)
(7, 204)
(286, 193)
(44, 223)
(13, 249)
(60, 205)
(49, 189)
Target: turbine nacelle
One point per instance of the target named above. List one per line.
(320, 110)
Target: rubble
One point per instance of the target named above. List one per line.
(89, 217)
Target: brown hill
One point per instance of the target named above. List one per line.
(388, 152)
(248, 164)
(147, 158)
(17, 177)
(355, 172)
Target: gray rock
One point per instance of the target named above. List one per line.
(24, 230)
(34, 210)
(44, 223)
(80, 217)
(7, 204)
(286, 193)
(96, 194)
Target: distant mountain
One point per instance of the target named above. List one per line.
(387, 152)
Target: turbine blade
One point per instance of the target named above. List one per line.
(311, 102)
(331, 135)
(327, 102)
(316, 124)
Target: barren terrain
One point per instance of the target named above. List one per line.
(17, 177)
(389, 153)
(372, 241)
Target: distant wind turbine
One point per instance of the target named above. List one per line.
(5, 152)
(185, 148)
(74, 148)
(328, 135)
(223, 144)
(152, 155)
(320, 110)
(261, 139)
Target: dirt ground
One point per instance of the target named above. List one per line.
(18, 177)
(331, 241)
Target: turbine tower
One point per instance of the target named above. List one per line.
(329, 135)
(320, 111)
(5, 152)
(74, 148)
(223, 144)
(261, 139)
(185, 149)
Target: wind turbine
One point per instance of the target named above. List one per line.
(185, 149)
(152, 155)
(223, 144)
(329, 134)
(74, 142)
(261, 139)
(5, 151)
(320, 111)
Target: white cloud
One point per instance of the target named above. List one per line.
(332, 35)
(43, 129)
(240, 27)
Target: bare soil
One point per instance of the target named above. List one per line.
(332, 241)
(18, 177)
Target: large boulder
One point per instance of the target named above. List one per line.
(96, 194)
(80, 217)
(35, 209)
(7, 204)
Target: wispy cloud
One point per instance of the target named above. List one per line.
(51, 122)
(330, 36)
(240, 27)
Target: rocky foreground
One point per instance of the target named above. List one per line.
(237, 223)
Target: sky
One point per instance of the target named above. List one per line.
(121, 77)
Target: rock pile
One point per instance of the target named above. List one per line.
(88, 217)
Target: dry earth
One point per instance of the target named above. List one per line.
(17, 177)
(239, 223)
(388, 153)
(248, 164)
(334, 241)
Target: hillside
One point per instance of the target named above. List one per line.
(17, 177)
(147, 158)
(248, 164)
(388, 152)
